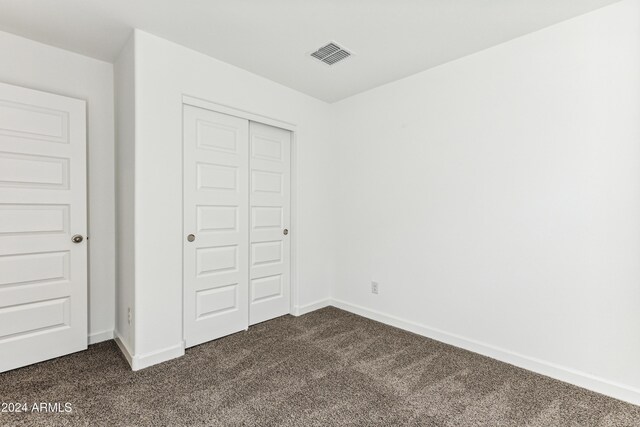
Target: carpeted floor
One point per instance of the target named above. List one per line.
(326, 368)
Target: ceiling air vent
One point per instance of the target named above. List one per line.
(331, 54)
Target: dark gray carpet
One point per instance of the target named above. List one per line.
(328, 367)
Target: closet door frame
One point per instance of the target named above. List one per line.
(294, 228)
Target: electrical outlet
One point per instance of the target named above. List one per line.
(374, 288)
(129, 315)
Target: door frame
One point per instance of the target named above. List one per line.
(294, 223)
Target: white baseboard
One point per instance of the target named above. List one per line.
(304, 309)
(97, 337)
(128, 354)
(562, 373)
(142, 361)
(149, 359)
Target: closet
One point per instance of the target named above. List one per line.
(236, 219)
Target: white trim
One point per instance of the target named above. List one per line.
(142, 361)
(294, 225)
(149, 359)
(243, 114)
(97, 337)
(123, 348)
(304, 309)
(562, 373)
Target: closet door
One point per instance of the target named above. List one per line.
(269, 293)
(216, 234)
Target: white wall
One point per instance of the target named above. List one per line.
(38, 66)
(164, 72)
(124, 73)
(497, 201)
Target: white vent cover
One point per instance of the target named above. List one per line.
(331, 53)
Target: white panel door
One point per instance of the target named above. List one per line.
(43, 274)
(216, 234)
(270, 163)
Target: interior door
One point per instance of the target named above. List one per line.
(216, 205)
(270, 164)
(43, 226)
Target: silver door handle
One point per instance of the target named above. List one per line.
(191, 237)
(77, 238)
(285, 231)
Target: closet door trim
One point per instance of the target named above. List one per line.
(242, 114)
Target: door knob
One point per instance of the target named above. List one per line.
(191, 237)
(285, 231)
(77, 238)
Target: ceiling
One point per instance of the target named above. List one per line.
(390, 39)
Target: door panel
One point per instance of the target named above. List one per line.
(270, 215)
(43, 275)
(216, 212)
